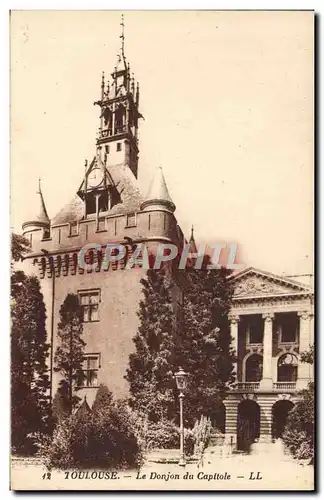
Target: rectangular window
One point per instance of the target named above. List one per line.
(89, 301)
(131, 220)
(46, 234)
(90, 367)
(119, 146)
(107, 149)
(287, 327)
(101, 224)
(74, 229)
(255, 329)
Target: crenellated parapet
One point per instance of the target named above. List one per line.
(69, 263)
(152, 225)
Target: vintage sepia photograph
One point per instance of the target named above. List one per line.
(162, 250)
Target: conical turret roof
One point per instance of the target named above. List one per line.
(158, 193)
(41, 218)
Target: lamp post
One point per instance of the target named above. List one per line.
(181, 385)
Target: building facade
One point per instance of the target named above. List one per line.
(271, 325)
(107, 209)
(271, 318)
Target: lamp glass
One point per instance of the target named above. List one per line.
(181, 379)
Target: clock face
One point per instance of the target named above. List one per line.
(95, 177)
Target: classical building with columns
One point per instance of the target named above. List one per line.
(271, 325)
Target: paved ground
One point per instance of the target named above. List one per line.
(260, 471)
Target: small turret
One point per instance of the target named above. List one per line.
(158, 196)
(192, 243)
(40, 221)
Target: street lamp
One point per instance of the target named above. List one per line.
(181, 385)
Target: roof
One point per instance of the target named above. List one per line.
(42, 216)
(127, 186)
(253, 283)
(158, 191)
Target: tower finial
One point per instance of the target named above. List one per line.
(122, 36)
(102, 85)
(39, 186)
(192, 243)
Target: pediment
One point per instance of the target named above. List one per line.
(252, 283)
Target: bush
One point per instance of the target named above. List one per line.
(298, 435)
(201, 432)
(189, 442)
(102, 438)
(166, 435)
(163, 434)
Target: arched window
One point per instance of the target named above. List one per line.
(119, 119)
(107, 115)
(253, 368)
(287, 368)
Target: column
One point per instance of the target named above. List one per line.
(265, 420)
(305, 339)
(231, 406)
(97, 211)
(234, 321)
(266, 382)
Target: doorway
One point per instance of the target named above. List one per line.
(280, 412)
(248, 424)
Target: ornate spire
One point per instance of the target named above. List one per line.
(122, 36)
(102, 85)
(42, 216)
(158, 193)
(121, 59)
(192, 243)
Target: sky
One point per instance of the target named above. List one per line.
(228, 104)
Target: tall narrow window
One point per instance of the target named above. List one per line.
(253, 368)
(255, 329)
(120, 119)
(89, 301)
(90, 367)
(287, 326)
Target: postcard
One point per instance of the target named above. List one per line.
(162, 273)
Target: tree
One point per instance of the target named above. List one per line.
(308, 356)
(203, 341)
(29, 372)
(103, 399)
(69, 353)
(150, 372)
(299, 433)
(199, 341)
(19, 246)
(104, 438)
(60, 408)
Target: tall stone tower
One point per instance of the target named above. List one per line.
(106, 208)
